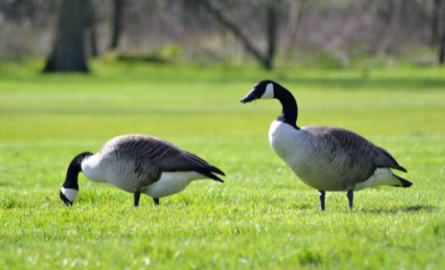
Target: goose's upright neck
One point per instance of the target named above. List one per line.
(290, 109)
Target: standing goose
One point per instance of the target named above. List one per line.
(326, 158)
(138, 164)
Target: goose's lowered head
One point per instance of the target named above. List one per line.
(70, 187)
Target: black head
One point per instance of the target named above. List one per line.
(261, 90)
(65, 200)
(269, 89)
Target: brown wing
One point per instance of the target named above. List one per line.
(358, 147)
(148, 151)
(185, 161)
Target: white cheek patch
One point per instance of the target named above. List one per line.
(269, 93)
(70, 194)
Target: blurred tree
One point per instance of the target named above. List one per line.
(68, 49)
(342, 30)
(117, 23)
(271, 8)
(442, 49)
(435, 22)
(92, 29)
(296, 17)
(22, 10)
(435, 38)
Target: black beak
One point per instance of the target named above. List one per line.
(250, 97)
(65, 199)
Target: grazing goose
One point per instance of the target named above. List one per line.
(138, 164)
(325, 158)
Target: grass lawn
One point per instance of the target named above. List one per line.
(262, 217)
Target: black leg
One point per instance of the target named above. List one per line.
(137, 195)
(156, 200)
(321, 194)
(350, 198)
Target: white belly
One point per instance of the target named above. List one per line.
(119, 175)
(381, 176)
(171, 183)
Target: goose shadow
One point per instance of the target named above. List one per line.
(405, 209)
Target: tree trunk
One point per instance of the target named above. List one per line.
(271, 32)
(442, 49)
(68, 52)
(117, 23)
(92, 29)
(435, 22)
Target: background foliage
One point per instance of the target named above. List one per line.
(335, 33)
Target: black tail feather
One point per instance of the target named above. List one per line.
(405, 183)
(213, 169)
(210, 175)
(392, 161)
(400, 168)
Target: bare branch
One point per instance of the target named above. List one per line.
(297, 22)
(117, 23)
(209, 6)
(271, 32)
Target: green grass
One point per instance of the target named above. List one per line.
(262, 217)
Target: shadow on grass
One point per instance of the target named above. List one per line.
(404, 209)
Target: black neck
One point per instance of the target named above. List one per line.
(73, 171)
(290, 109)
